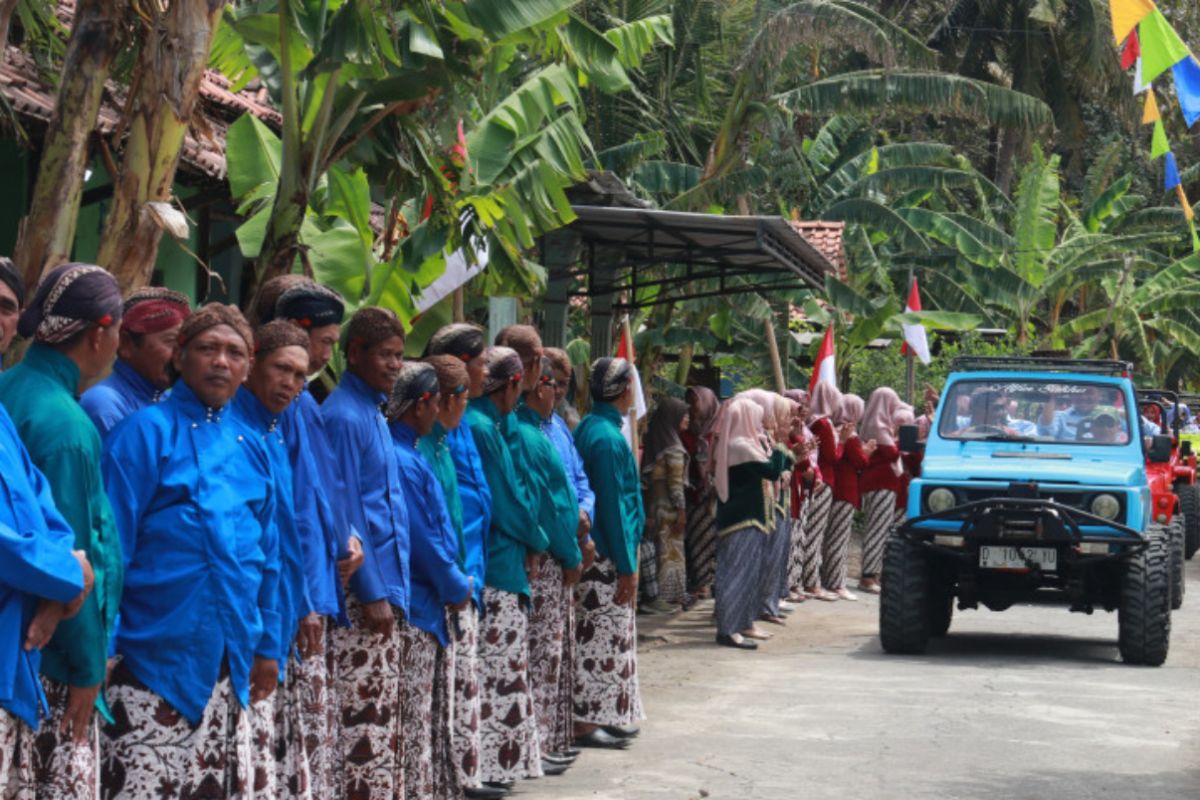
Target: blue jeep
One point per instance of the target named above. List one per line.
(1034, 488)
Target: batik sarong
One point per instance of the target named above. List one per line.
(310, 682)
(815, 528)
(606, 679)
(281, 768)
(546, 636)
(776, 556)
(509, 747)
(418, 663)
(16, 758)
(700, 539)
(152, 752)
(62, 769)
(795, 575)
(879, 510)
(836, 551)
(738, 586)
(565, 715)
(446, 785)
(368, 690)
(464, 626)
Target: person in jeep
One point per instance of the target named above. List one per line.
(1063, 424)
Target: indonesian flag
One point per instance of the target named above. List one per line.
(825, 368)
(625, 351)
(914, 335)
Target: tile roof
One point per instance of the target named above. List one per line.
(826, 237)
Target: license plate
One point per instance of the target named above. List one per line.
(992, 557)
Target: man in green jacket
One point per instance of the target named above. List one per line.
(607, 698)
(73, 320)
(509, 738)
(552, 584)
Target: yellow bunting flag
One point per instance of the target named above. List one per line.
(1150, 109)
(1126, 14)
(1183, 201)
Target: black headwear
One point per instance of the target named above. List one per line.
(461, 340)
(68, 299)
(417, 381)
(310, 305)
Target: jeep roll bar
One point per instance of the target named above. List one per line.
(1041, 364)
(1159, 397)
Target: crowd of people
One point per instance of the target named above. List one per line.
(216, 583)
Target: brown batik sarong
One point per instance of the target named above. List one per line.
(152, 752)
(62, 769)
(280, 763)
(446, 785)
(509, 748)
(464, 627)
(16, 758)
(606, 680)
(547, 629)
(368, 690)
(311, 682)
(418, 664)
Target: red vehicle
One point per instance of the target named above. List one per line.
(1172, 481)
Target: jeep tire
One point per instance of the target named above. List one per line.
(1189, 506)
(1144, 616)
(941, 610)
(1176, 535)
(904, 607)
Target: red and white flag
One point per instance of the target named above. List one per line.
(825, 367)
(915, 341)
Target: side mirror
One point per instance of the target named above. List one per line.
(909, 436)
(1185, 448)
(1160, 449)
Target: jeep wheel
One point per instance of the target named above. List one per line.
(941, 611)
(1144, 618)
(1189, 506)
(904, 618)
(1176, 536)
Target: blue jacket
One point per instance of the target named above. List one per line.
(476, 498)
(195, 502)
(35, 562)
(294, 603)
(369, 495)
(560, 433)
(113, 399)
(437, 579)
(323, 534)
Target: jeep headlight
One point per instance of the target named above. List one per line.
(941, 499)
(1106, 506)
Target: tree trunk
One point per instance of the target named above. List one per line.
(1009, 148)
(170, 68)
(6, 11)
(48, 232)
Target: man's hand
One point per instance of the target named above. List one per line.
(585, 525)
(533, 563)
(49, 613)
(572, 576)
(89, 582)
(77, 719)
(626, 590)
(310, 638)
(589, 555)
(350, 564)
(466, 601)
(378, 617)
(264, 677)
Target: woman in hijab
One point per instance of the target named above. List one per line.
(664, 478)
(879, 482)
(743, 469)
(778, 556)
(700, 538)
(911, 462)
(802, 442)
(846, 498)
(826, 401)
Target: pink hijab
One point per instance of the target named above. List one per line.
(826, 400)
(850, 410)
(880, 416)
(738, 441)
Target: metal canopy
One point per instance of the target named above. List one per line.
(696, 247)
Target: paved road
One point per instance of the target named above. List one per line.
(1031, 703)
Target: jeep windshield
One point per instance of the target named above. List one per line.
(1045, 411)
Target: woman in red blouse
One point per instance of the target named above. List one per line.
(855, 455)
(826, 401)
(879, 482)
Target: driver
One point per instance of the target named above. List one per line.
(988, 414)
(1063, 424)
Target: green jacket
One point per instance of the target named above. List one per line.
(39, 394)
(558, 505)
(515, 531)
(437, 453)
(613, 473)
(748, 503)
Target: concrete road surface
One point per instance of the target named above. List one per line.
(1031, 703)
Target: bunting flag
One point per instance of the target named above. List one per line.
(1158, 142)
(1138, 86)
(1187, 88)
(1183, 201)
(1170, 172)
(1150, 109)
(1161, 46)
(1126, 14)
(1130, 51)
(1195, 237)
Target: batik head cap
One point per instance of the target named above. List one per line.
(504, 367)
(452, 373)
(462, 340)
(417, 381)
(311, 305)
(68, 299)
(276, 334)
(153, 309)
(523, 338)
(372, 325)
(610, 378)
(214, 314)
(270, 292)
(11, 277)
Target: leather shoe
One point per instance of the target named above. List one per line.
(569, 752)
(484, 793)
(555, 758)
(504, 786)
(552, 768)
(602, 738)
(621, 732)
(740, 643)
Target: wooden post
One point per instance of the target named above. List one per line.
(633, 419)
(776, 364)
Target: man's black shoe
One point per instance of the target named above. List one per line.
(621, 732)
(601, 738)
(484, 793)
(550, 768)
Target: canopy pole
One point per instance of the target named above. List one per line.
(773, 346)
